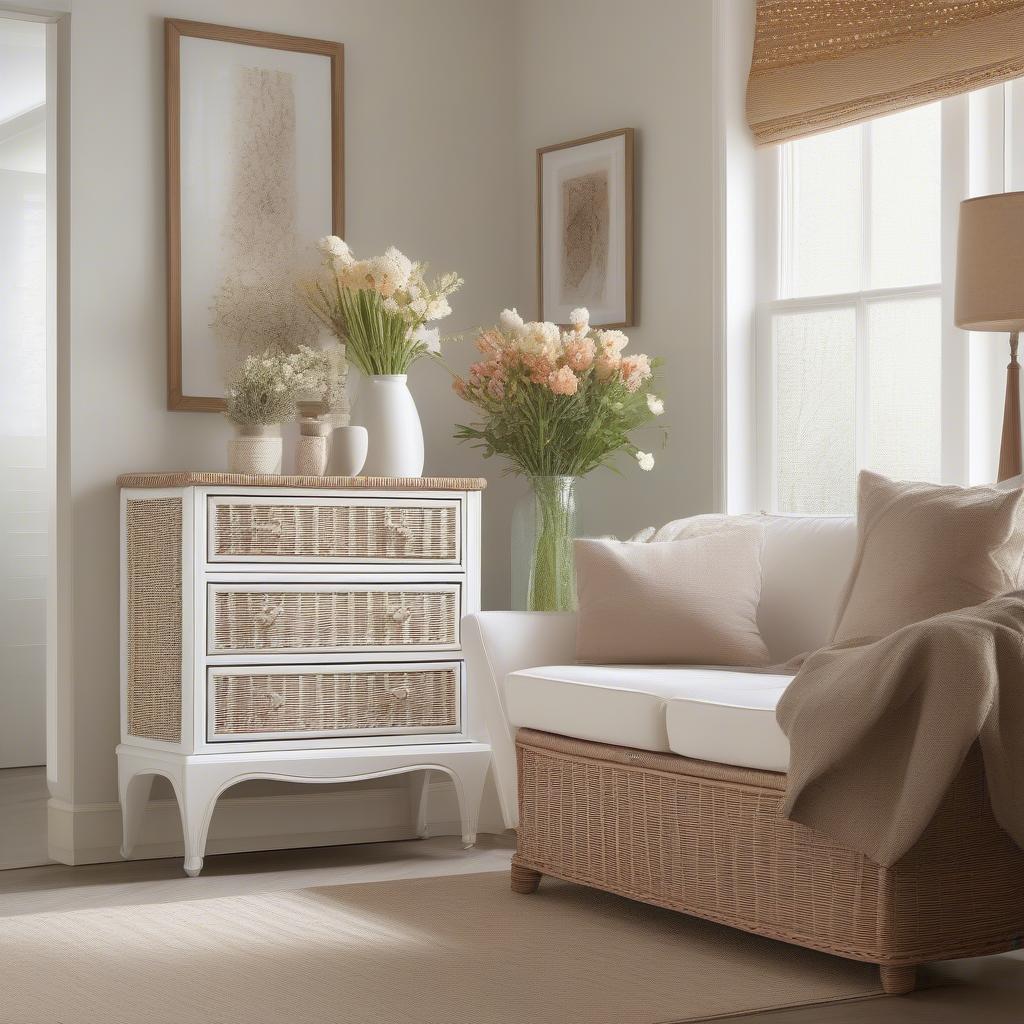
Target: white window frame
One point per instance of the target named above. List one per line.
(954, 353)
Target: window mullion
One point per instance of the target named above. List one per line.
(862, 399)
(865, 207)
(861, 404)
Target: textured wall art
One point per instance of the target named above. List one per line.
(254, 171)
(585, 229)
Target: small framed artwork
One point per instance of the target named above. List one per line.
(585, 243)
(255, 158)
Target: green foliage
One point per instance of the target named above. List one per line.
(546, 434)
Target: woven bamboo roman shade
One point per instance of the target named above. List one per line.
(822, 64)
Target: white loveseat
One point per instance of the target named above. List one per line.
(665, 784)
(710, 714)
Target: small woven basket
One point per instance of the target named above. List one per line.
(311, 450)
(255, 449)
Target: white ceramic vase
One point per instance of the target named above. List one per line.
(395, 437)
(348, 450)
(256, 449)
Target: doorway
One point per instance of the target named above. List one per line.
(25, 489)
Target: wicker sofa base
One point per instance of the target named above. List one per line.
(708, 840)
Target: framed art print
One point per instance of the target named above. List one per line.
(585, 244)
(254, 177)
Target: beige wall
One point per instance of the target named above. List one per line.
(428, 159)
(586, 66)
(446, 101)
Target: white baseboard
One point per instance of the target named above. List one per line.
(91, 833)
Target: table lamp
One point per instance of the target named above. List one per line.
(990, 294)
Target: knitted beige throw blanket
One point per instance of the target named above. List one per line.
(878, 730)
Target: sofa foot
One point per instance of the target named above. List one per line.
(525, 880)
(898, 981)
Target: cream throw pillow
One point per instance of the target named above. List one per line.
(924, 549)
(683, 602)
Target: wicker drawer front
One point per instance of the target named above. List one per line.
(341, 530)
(372, 617)
(335, 701)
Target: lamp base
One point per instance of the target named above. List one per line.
(1010, 461)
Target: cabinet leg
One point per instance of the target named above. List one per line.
(469, 788)
(898, 981)
(419, 785)
(134, 792)
(196, 804)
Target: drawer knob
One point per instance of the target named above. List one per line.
(277, 700)
(400, 614)
(399, 692)
(400, 531)
(268, 614)
(272, 526)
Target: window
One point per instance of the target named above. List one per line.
(856, 367)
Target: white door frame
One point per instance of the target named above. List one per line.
(59, 719)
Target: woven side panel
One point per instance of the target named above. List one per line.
(721, 850)
(154, 618)
(338, 531)
(334, 701)
(335, 620)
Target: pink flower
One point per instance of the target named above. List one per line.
(579, 354)
(496, 387)
(484, 369)
(606, 366)
(490, 343)
(635, 370)
(563, 382)
(461, 388)
(539, 368)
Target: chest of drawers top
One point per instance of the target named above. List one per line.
(200, 478)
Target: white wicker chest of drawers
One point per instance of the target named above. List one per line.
(300, 629)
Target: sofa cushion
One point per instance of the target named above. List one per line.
(691, 601)
(924, 549)
(731, 721)
(626, 705)
(805, 563)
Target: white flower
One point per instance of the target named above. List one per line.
(612, 342)
(655, 404)
(419, 307)
(438, 308)
(332, 245)
(389, 273)
(390, 304)
(430, 337)
(511, 321)
(336, 252)
(646, 460)
(541, 338)
(580, 319)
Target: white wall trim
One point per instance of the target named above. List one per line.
(91, 833)
(719, 275)
(59, 677)
(734, 160)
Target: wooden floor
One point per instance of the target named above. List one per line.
(986, 991)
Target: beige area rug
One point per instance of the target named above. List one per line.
(418, 951)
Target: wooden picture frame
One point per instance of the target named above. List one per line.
(599, 171)
(329, 197)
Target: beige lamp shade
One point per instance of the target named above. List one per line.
(990, 264)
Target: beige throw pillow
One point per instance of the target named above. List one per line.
(683, 602)
(924, 549)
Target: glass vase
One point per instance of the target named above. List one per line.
(544, 527)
